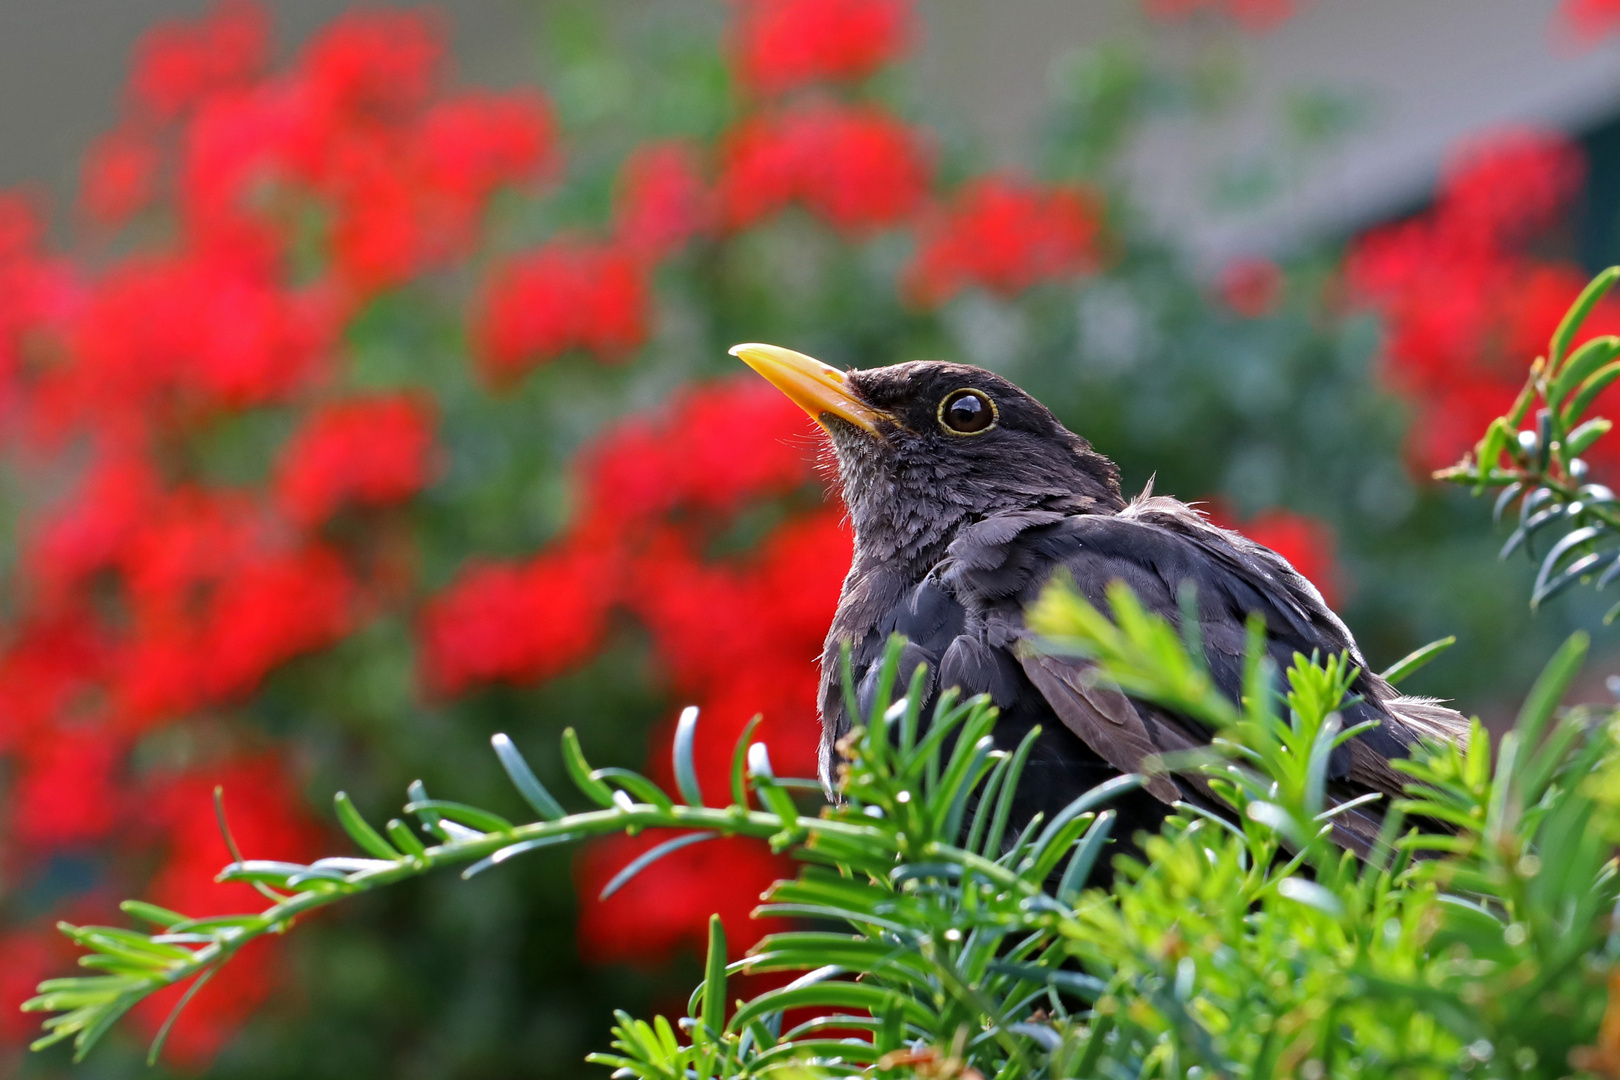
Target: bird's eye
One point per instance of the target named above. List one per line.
(967, 412)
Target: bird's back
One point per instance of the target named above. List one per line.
(963, 617)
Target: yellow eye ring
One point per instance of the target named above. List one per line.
(967, 412)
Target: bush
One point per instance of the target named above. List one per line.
(1476, 940)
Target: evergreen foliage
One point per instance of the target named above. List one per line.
(939, 941)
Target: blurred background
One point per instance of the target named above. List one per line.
(365, 394)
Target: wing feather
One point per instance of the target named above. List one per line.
(1104, 718)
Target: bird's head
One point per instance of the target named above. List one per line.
(926, 447)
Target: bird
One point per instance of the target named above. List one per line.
(966, 497)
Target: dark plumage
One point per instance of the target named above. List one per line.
(962, 515)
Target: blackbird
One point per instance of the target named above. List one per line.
(966, 496)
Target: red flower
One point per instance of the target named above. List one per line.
(216, 597)
(380, 235)
(32, 955)
(518, 623)
(1509, 183)
(782, 44)
(714, 448)
(271, 610)
(47, 671)
(377, 64)
(474, 143)
(66, 788)
(661, 202)
(119, 177)
(369, 452)
(1261, 16)
(179, 63)
(89, 532)
(21, 224)
(202, 328)
(401, 183)
(776, 604)
(1250, 287)
(232, 154)
(565, 295)
(1588, 21)
(158, 675)
(1466, 306)
(1005, 234)
(858, 167)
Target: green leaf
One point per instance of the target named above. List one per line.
(1550, 687)
(417, 793)
(579, 770)
(360, 831)
(529, 786)
(403, 838)
(1549, 579)
(151, 913)
(650, 856)
(714, 979)
(1009, 788)
(1046, 859)
(1570, 325)
(471, 816)
(1498, 436)
(521, 847)
(1081, 985)
(776, 800)
(1581, 439)
(686, 778)
(838, 995)
(635, 785)
(1588, 392)
(739, 762)
(1409, 664)
(1585, 360)
(1085, 856)
(102, 1022)
(1311, 895)
(162, 1035)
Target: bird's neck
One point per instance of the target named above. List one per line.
(898, 520)
(905, 521)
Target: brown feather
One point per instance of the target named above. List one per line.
(1103, 718)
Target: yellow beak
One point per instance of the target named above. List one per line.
(816, 388)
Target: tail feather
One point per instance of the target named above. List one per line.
(1428, 719)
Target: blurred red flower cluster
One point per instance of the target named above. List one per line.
(1588, 21)
(1467, 300)
(1004, 233)
(780, 45)
(156, 598)
(363, 452)
(857, 166)
(565, 295)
